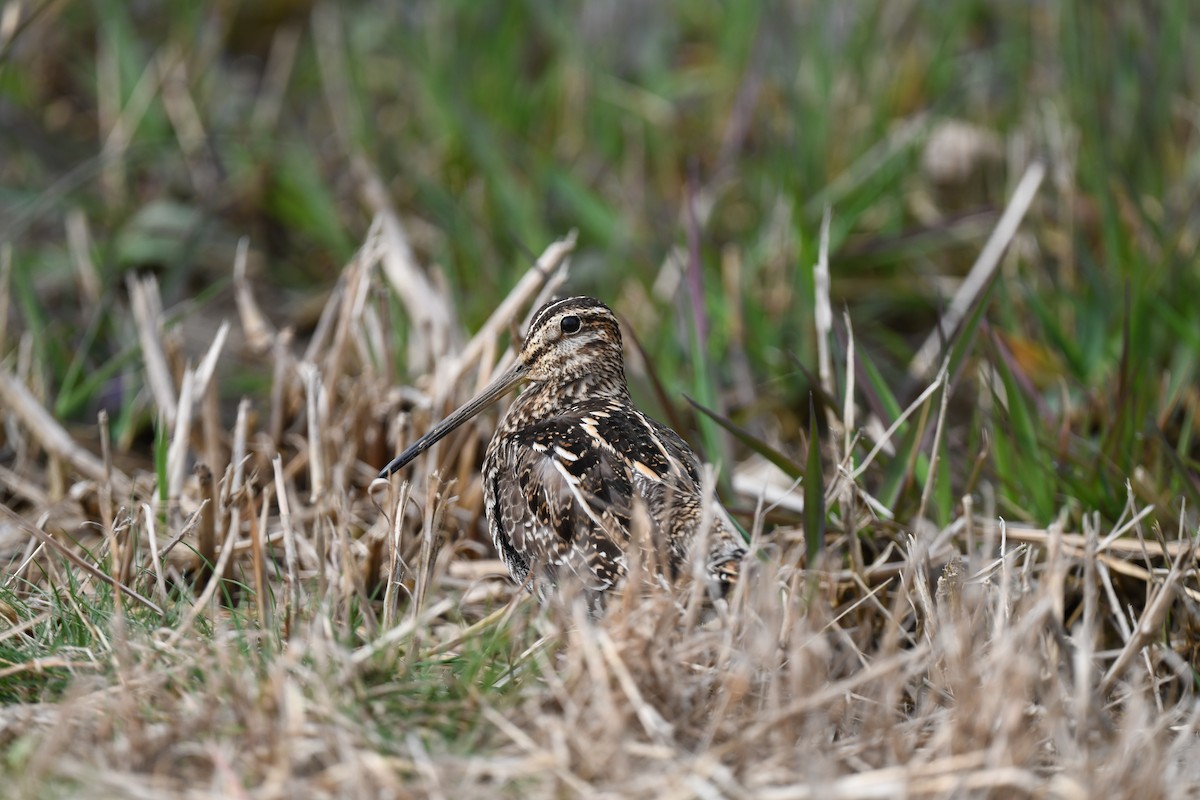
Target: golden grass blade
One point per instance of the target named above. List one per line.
(146, 304)
(79, 242)
(256, 327)
(291, 559)
(155, 558)
(981, 272)
(177, 451)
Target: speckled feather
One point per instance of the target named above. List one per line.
(574, 465)
(573, 456)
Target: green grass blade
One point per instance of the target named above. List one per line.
(814, 494)
(790, 466)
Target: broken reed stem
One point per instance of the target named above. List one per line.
(376, 545)
(1085, 638)
(16, 398)
(106, 504)
(396, 557)
(316, 453)
(656, 728)
(322, 547)
(292, 594)
(351, 582)
(206, 545)
(187, 529)
(392, 637)
(257, 329)
(1000, 613)
(79, 243)
(234, 483)
(123, 553)
(205, 387)
(146, 304)
(210, 426)
(349, 315)
(284, 369)
(180, 447)
(972, 554)
(258, 556)
(155, 559)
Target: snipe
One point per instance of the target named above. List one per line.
(573, 460)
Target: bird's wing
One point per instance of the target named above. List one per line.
(667, 477)
(579, 477)
(570, 503)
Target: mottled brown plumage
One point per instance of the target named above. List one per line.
(573, 460)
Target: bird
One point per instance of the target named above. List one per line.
(574, 466)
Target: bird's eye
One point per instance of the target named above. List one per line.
(570, 324)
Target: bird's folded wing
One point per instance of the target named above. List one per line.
(571, 502)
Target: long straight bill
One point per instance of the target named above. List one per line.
(495, 390)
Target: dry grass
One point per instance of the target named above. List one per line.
(346, 638)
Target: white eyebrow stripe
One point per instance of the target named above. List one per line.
(547, 311)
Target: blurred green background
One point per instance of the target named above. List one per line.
(695, 146)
